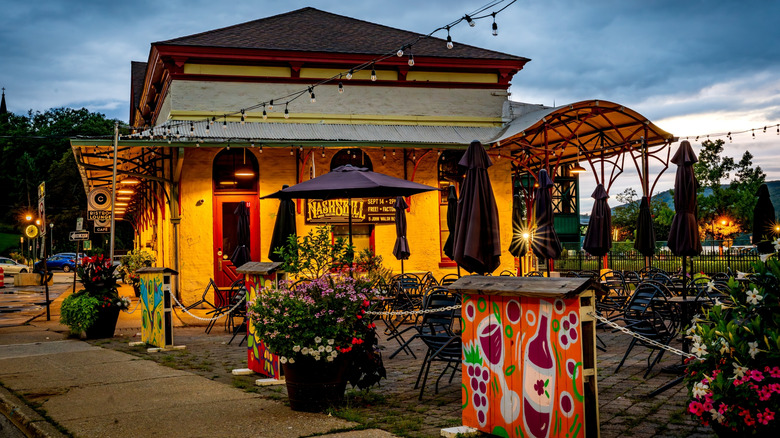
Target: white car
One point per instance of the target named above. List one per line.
(10, 267)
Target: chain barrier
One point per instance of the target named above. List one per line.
(642, 338)
(209, 319)
(412, 312)
(129, 312)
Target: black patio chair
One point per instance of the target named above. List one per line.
(614, 296)
(709, 290)
(448, 279)
(211, 286)
(235, 291)
(649, 314)
(648, 271)
(534, 274)
(238, 312)
(507, 273)
(432, 322)
(441, 348)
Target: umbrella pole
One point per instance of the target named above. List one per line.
(402, 266)
(349, 215)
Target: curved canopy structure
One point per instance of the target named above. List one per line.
(594, 133)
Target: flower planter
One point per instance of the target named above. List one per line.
(313, 385)
(105, 324)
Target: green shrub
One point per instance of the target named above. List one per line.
(79, 312)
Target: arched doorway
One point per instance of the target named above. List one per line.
(235, 179)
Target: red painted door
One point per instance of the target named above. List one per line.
(226, 234)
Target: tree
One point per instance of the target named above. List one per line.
(625, 216)
(733, 202)
(34, 148)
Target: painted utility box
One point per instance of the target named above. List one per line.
(529, 356)
(157, 306)
(258, 275)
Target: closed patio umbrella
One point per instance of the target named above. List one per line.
(598, 237)
(684, 239)
(452, 219)
(764, 221)
(241, 254)
(545, 243)
(401, 248)
(518, 247)
(645, 234)
(284, 227)
(477, 244)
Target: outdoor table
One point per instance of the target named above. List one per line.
(531, 341)
(258, 275)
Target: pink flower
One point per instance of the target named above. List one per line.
(694, 407)
(765, 417)
(756, 375)
(773, 372)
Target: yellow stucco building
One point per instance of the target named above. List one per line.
(288, 106)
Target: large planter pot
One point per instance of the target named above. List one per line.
(312, 386)
(105, 324)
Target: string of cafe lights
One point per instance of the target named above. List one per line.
(174, 128)
(730, 134)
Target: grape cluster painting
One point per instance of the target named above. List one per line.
(522, 363)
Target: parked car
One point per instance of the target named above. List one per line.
(65, 262)
(11, 267)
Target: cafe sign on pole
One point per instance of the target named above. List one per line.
(99, 205)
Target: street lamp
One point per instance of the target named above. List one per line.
(51, 236)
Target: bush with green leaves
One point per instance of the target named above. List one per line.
(314, 254)
(133, 261)
(734, 382)
(79, 312)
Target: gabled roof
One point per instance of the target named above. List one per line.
(312, 30)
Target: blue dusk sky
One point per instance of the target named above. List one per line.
(693, 67)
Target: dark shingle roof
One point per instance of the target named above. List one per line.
(137, 75)
(312, 30)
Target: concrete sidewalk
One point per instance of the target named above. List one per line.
(89, 391)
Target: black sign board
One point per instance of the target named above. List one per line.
(79, 235)
(364, 211)
(102, 229)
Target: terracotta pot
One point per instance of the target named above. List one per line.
(105, 324)
(313, 385)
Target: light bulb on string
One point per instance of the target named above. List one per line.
(243, 120)
(495, 26)
(207, 129)
(349, 74)
(178, 135)
(341, 88)
(373, 73)
(323, 152)
(393, 152)
(261, 149)
(311, 95)
(213, 119)
(411, 59)
(192, 127)
(471, 22)
(384, 155)
(400, 52)
(271, 105)
(449, 39)
(292, 150)
(265, 114)
(224, 123)
(286, 112)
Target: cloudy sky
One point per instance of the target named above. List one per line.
(693, 67)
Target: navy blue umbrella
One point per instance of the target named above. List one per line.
(545, 243)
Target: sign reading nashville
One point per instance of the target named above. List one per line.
(364, 211)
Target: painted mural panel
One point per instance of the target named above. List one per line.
(152, 327)
(523, 366)
(259, 359)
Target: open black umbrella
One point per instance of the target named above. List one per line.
(545, 243)
(401, 248)
(284, 227)
(347, 182)
(598, 237)
(452, 219)
(241, 254)
(645, 234)
(518, 246)
(477, 244)
(764, 221)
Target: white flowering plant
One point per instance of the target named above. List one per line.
(734, 380)
(321, 320)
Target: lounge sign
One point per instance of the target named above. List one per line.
(364, 211)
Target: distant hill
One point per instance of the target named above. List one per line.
(666, 196)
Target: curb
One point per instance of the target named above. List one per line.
(25, 418)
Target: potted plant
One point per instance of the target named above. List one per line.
(734, 382)
(317, 325)
(133, 261)
(94, 309)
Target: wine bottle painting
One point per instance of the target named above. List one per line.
(530, 381)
